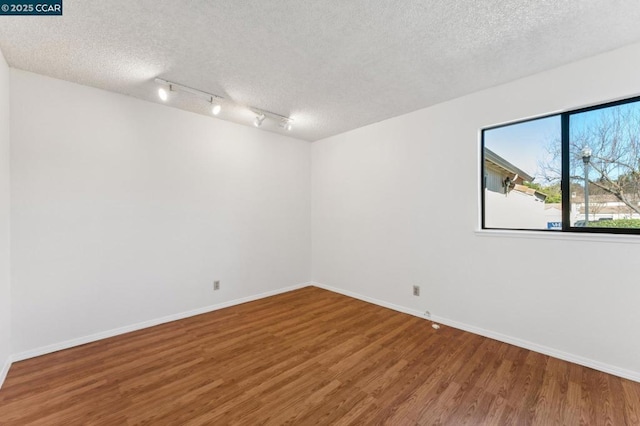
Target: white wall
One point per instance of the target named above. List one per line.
(125, 211)
(396, 204)
(5, 291)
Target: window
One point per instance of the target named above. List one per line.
(578, 171)
(521, 172)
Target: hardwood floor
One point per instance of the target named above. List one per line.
(309, 357)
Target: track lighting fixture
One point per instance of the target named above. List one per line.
(215, 103)
(259, 119)
(283, 122)
(175, 87)
(215, 110)
(163, 94)
(287, 124)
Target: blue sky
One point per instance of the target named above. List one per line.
(525, 144)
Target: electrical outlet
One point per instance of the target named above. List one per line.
(216, 285)
(416, 290)
(427, 314)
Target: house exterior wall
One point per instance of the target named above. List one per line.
(494, 179)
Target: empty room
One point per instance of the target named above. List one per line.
(319, 212)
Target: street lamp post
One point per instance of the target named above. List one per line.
(586, 157)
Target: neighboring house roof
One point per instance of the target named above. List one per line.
(609, 198)
(530, 191)
(500, 162)
(603, 209)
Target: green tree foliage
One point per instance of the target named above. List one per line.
(553, 192)
(613, 135)
(619, 223)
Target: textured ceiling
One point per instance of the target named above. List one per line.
(332, 65)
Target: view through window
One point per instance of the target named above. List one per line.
(577, 171)
(604, 152)
(522, 175)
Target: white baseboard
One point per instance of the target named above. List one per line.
(370, 300)
(576, 359)
(5, 371)
(141, 325)
(596, 365)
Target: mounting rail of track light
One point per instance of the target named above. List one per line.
(284, 122)
(214, 100)
(166, 87)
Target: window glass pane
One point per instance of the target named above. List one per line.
(522, 171)
(604, 152)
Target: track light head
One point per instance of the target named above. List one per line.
(259, 119)
(215, 110)
(286, 123)
(163, 94)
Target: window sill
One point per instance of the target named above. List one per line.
(559, 236)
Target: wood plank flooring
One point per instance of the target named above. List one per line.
(309, 357)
